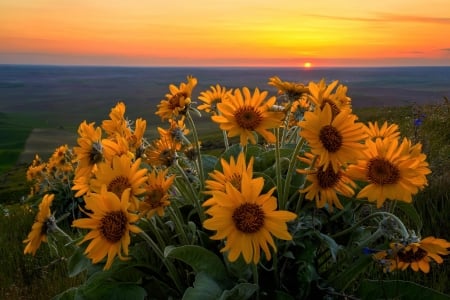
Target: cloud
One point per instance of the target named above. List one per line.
(445, 49)
(387, 17)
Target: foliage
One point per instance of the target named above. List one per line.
(338, 234)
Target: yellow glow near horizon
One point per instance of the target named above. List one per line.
(234, 32)
(307, 65)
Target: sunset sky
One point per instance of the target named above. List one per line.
(225, 33)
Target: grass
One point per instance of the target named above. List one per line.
(44, 276)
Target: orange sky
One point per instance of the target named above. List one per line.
(225, 33)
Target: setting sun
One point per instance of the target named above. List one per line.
(307, 65)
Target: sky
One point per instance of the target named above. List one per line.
(284, 33)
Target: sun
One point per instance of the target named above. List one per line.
(307, 65)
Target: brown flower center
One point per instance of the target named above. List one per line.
(335, 110)
(177, 101)
(154, 197)
(95, 155)
(118, 185)
(381, 171)
(410, 256)
(113, 226)
(248, 117)
(249, 218)
(328, 178)
(166, 157)
(331, 138)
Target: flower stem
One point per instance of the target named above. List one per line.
(255, 278)
(403, 229)
(280, 189)
(290, 170)
(197, 148)
(169, 265)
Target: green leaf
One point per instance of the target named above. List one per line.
(239, 268)
(209, 162)
(240, 291)
(398, 289)
(78, 263)
(332, 245)
(200, 259)
(411, 212)
(343, 279)
(69, 294)
(114, 291)
(204, 288)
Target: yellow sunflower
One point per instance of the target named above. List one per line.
(161, 152)
(120, 175)
(116, 146)
(247, 220)
(81, 184)
(60, 160)
(136, 137)
(110, 225)
(325, 184)
(231, 172)
(245, 114)
(292, 90)
(177, 132)
(156, 196)
(116, 123)
(212, 97)
(390, 170)
(321, 94)
(416, 255)
(41, 227)
(178, 100)
(386, 130)
(90, 149)
(337, 140)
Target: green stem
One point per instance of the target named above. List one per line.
(290, 170)
(280, 190)
(256, 278)
(179, 226)
(373, 215)
(197, 148)
(194, 195)
(225, 140)
(169, 265)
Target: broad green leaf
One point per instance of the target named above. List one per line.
(209, 162)
(204, 288)
(240, 291)
(114, 291)
(397, 289)
(239, 268)
(78, 263)
(200, 259)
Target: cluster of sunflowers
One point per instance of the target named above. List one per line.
(153, 204)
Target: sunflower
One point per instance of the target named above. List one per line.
(117, 122)
(161, 152)
(178, 100)
(416, 255)
(391, 170)
(116, 146)
(90, 149)
(231, 172)
(135, 138)
(156, 196)
(41, 227)
(245, 114)
(321, 94)
(81, 184)
(385, 131)
(247, 220)
(292, 90)
(110, 225)
(120, 175)
(177, 132)
(60, 160)
(325, 184)
(212, 97)
(336, 140)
